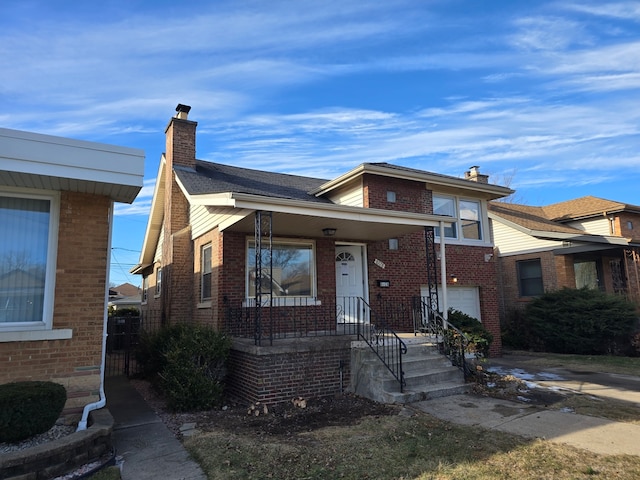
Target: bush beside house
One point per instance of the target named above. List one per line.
(580, 321)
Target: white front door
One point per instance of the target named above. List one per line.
(350, 289)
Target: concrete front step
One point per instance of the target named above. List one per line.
(435, 391)
(428, 374)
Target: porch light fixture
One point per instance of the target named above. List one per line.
(454, 279)
(328, 232)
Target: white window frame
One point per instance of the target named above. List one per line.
(203, 298)
(145, 289)
(40, 330)
(288, 300)
(459, 234)
(158, 276)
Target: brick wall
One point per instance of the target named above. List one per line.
(279, 374)
(79, 305)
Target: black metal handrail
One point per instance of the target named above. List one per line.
(452, 342)
(383, 341)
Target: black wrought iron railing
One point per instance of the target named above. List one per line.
(384, 342)
(451, 341)
(287, 317)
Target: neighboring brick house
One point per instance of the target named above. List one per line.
(585, 242)
(325, 249)
(56, 213)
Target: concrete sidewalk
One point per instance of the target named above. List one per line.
(590, 433)
(147, 448)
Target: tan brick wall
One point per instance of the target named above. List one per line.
(79, 305)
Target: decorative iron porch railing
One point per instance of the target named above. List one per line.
(452, 342)
(286, 318)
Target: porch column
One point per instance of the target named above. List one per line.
(443, 276)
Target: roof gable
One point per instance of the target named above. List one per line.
(584, 207)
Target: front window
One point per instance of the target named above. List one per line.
(290, 271)
(27, 260)
(205, 273)
(470, 220)
(467, 215)
(530, 278)
(446, 206)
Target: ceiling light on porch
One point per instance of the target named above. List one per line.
(329, 232)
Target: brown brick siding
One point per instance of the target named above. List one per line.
(274, 375)
(79, 305)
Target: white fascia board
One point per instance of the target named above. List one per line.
(154, 221)
(47, 155)
(326, 210)
(495, 191)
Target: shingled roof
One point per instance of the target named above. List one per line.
(584, 207)
(531, 218)
(211, 178)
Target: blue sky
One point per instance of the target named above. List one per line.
(544, 96)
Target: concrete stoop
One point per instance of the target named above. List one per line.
(427, 373)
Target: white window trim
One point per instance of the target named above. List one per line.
(35, 330)
(145, 290)
(204, 300)
(310, 300)
(484, 222)
(158, 287)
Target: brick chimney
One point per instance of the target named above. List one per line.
(475, 176)
(181, 139)
(177, 248)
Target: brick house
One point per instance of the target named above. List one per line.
(56, 212)
(280, 260)
(585, 242)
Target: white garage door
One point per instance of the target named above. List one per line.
(465, 299)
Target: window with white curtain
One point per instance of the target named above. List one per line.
(28, 239)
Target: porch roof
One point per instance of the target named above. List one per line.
(235, 212)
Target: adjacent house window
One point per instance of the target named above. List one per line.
(587, 274)
(158, 281)
(27, 259)
(205, 273)
(145, 288)
(530, 278)
(468, 215)
(391, 196)
(290, 272)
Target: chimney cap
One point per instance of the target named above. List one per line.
(183, 108)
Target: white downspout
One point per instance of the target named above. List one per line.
(82, 425)
(443, 276)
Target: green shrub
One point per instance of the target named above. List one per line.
(29, 408)
(583, 321)
(151, 352)
(516, 331)
(479, 337)
(189, 363)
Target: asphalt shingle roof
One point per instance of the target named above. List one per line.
(211, 178)
(532, 218)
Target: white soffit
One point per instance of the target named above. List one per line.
(55, 163)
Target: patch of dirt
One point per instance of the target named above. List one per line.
(512, 388)
(282, 419)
